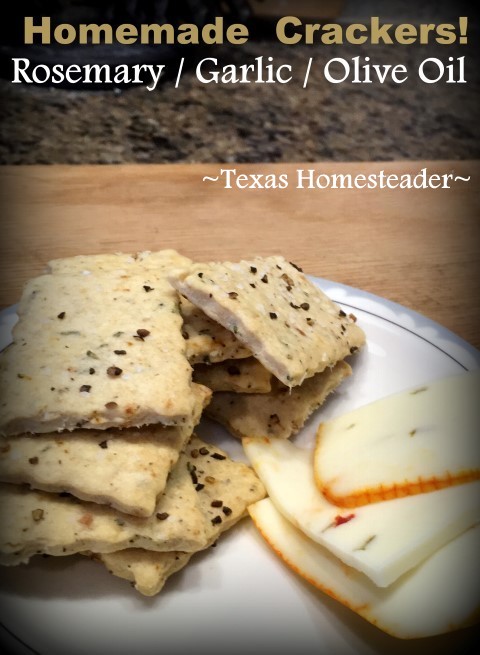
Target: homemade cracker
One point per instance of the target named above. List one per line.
(220, 478)
(119, 263)
(230, 486)
(35, 522)
(147, 570)
(126, 469)
(207, 341)
(288, 324)
(238, 375)
(280, 413)
(95, 352)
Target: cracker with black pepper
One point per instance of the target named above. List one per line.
(126, 469)
(237, 375)
(95, 352)
(35, 522)
(207, 341)
(287, 323)
(281, 413)
(225, 489)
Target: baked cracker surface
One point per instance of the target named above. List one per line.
(35, 522)
(119, 263)
(234, 484)
(207, 341)
(95, 352)
(237, 375)
(285, 320)
(126, 469)
(280, 413)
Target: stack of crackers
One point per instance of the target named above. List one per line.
(99, 402)
(294, 338)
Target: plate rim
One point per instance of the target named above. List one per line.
(422, 321)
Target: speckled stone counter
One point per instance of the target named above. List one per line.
(250, 122)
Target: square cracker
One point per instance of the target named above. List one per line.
(235, 484)
(237, 375)
(207, 341)
(95, 352)
(35, 522)
(288, 324)
(126, 469)
(281, 413)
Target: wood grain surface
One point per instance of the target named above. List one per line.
(419, 248)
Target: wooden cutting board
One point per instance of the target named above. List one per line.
(416, 247)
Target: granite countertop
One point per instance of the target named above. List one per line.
(249, 122)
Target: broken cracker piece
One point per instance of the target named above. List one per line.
(207, 341)
(230, 489)
(147, 570)
(280, 413)
(237, 375)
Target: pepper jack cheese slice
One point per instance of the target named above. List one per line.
(422, 439)
(95, 352)
(383, 540)
(288, 324)
(439, 596)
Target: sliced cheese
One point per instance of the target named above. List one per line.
(412, 442)
(383, 540)
(440, 595)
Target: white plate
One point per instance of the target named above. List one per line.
(237, 597)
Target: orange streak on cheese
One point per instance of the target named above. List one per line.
(408, 488)
(363, 610)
